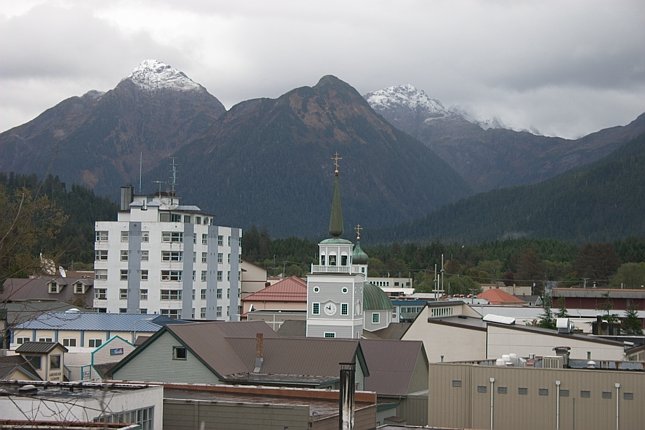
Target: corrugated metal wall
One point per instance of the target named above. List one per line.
(527, 398)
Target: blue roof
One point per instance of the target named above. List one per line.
(94, 322)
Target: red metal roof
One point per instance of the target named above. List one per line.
(291, 289)
(499, 297)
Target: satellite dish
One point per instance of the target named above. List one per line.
(62, 272)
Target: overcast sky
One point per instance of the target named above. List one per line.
(566, 68)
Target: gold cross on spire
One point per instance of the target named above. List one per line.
(336, 158)
(358, 229)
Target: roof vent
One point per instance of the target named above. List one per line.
(29, 388)
(72, 311)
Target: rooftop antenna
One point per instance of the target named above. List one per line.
(173, 180)
(140, 169)
(160, 183)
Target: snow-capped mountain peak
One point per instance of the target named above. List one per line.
(154, 75)
(407, 97)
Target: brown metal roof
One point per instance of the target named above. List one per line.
(16, 289)
(38, 347)
(208, 340)
(292, 289)
(298, 356)
(392, 364)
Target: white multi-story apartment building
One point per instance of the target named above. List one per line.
(161, 257)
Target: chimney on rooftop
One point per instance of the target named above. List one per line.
(346, 396)
(259, 352)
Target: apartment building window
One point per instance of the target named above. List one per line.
(228, 258)
(204, 239)
(170, 313)
(172, 236)
(344, 309)
(94, 343)
(220, 240)
(193, 278)
(219, 293)
(228, 311)
(125, 235)
(145, 236)
(203, 276)
(194, 257)
(228, 293)
(228, 275)
(100, 293)
(195, 238)
(124, 255)
(101, 255)
(315, 308)
(171, 275)
(123, 293)
(143, 294)
(219, 275)
(187, 219)
(123, 310)
(228, 240)
(101, 274)
(144, 275)
(203, 294)
(219, 311)
(204, 257)
(220, 257)
(101, 236)
(170, 294)
(143, 311)
(144, 255)
(172, 256)
(124, 274)
(202, 313)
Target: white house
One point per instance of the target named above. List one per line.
(167, 258)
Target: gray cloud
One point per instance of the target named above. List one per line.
(565, 67)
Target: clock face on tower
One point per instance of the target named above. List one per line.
(330, 309)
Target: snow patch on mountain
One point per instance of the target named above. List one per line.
(155, 75)
(408, 97)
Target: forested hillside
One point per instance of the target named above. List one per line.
(600, 202)
(44, 216)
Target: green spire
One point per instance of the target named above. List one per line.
(336, 217)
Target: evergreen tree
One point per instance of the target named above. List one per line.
(546, 320)
(632, 324)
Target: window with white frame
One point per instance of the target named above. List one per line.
(144, 274)
(125, 235)
(204, 257)
(124, 255)
(330, 334)
(204, 239)
(123, 293)
(101, 236)
(54, 287)
(315, 308)
(171, 275)
(179, 353)
(172, 236)
(219, 311)
(123, 274)
(220, 240)
(220, 257)
(45, 339)
(100, 293)
(101, 274)
(170, 294)
(203, 276)
(145, 255)
(143, 294)
(219, 293)
(172, 256)
(79, 288)
(101, 255)
(21, 340)
(202, 313)
(69, 342)
(145, 236)
(203, 294)
(170, 313)
(376, 318)
(219, 275)
(344, 309)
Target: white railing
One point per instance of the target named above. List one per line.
(330, 269)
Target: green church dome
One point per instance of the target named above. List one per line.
(375, 299)
(359, 256)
